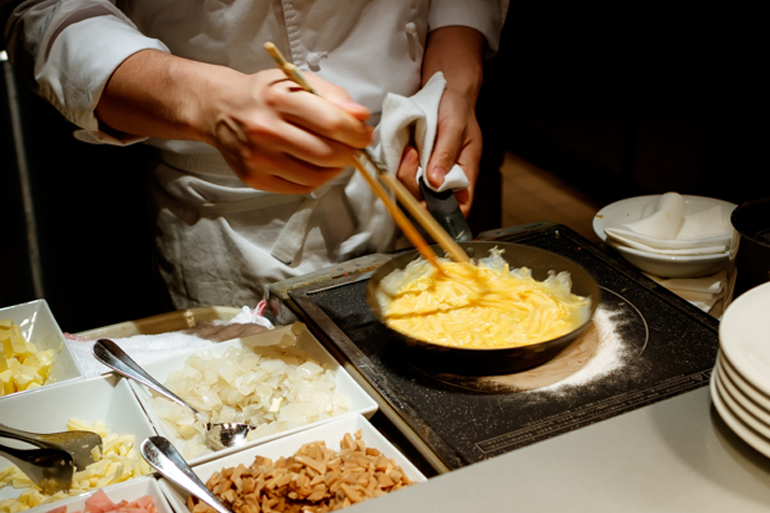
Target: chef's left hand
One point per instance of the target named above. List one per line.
(458, 141)
(458, 53)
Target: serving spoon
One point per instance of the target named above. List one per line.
(164, 457)
(50, 469)
(79, 444)
(218, 435)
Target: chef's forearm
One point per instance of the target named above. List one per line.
(458, 52)
(155, 94)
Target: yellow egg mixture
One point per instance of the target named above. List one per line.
(481, 306)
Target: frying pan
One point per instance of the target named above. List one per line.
(480, 362)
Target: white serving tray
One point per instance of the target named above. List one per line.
(128, 491)
(330, 432)
(38, 326)
(105, 398)
(360, 401)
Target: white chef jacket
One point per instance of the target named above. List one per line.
(220, 242)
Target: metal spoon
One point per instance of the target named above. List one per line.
(163, 456)
(50, 469)
(78, 443)
(218, 436)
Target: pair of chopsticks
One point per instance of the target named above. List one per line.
(364, 155)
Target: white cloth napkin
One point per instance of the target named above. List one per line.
(144, 349)
(703, 292)
(665, 229)
(418, 113)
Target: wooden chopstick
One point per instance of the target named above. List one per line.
(430, 225)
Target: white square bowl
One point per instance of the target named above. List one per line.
(330, 432)
(38, 326)
(127, 490)
(360, 401)
(105, 398)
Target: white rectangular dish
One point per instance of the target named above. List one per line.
(296, 335)
(128, 491)
(108, 399)
(331, 433)
(38, 326)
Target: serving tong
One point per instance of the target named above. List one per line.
(53, 464)
(50, 469)
(164, 457)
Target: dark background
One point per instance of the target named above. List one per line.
(616, 103)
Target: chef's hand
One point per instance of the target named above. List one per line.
(279, 138)
(458, 53)
(274, 135)
(458, 141)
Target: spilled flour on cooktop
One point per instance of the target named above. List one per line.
(610, 356)
(599, 352)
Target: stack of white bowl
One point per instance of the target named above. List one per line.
(740, 382)
(683, 242)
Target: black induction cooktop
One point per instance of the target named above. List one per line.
(651, 345)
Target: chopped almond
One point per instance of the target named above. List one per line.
(315, 479)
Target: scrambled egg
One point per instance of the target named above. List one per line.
(481, 306)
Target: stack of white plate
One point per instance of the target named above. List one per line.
(740, 383)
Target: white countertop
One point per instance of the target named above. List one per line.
(672, 456)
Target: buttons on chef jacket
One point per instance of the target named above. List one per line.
(314, 60)
(413, 41)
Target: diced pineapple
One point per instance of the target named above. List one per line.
(19, 346)
(7, 383)
(23, 376)
(42, 361)
(6, 346)
(28, 367)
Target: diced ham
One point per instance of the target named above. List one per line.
(98, 502)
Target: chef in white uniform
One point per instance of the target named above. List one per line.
(253, 182)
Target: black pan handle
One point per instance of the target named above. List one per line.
(444, 208)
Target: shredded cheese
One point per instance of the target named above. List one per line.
(118, 462)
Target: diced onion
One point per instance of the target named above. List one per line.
(273, 388)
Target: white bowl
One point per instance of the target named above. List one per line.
(127, 491)
(105, 398)
(667, 266)
(360, 401)
(331, 433)
(38, 326)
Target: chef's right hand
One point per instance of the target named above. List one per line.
(280, 138)
(275, 136)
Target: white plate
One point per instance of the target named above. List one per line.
(104, 398)
(739, 427)
(744, 336)
(331, 433)
(38, 325)
(629, 210)
(667, 266)
(739, 411)
(360, 401)
(750, 393)
(128, 491)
